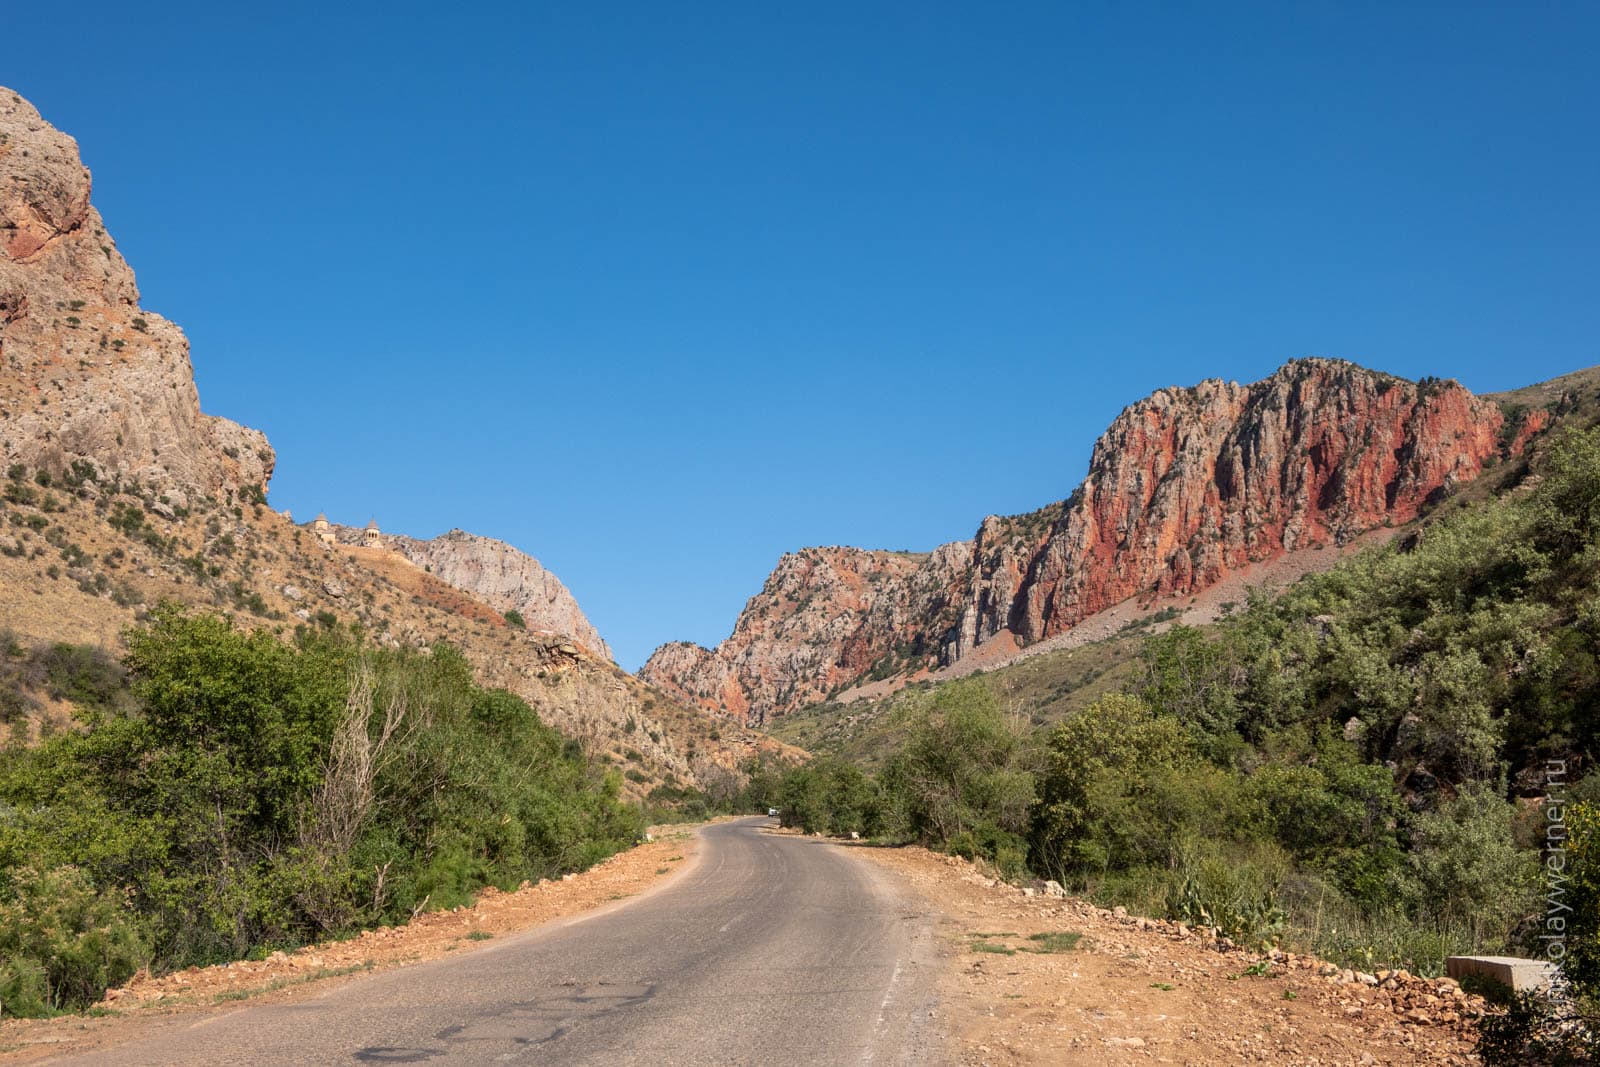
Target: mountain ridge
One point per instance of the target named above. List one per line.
(1185, 487)
(496, 572)
(119, 493)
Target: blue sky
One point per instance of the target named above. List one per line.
(658, 292)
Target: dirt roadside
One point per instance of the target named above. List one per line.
(1018, 988)
(145, 1002)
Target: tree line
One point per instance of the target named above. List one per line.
(229, 794)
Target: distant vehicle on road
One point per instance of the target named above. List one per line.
(772, 813)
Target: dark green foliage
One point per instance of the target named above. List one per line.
(1582, 886)
(1561, 1025)
(1333, 766)
(1473, 650)
(17, 492)
(62, 942)
(1093, 763)
(962, 781)
(247, 793)
(514, 618)
(763, 786)
(1541, 1030)
(831, 797)
(959, 782)
(85, 676)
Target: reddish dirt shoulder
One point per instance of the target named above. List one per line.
(1016, 990)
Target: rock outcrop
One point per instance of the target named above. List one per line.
(504, 578)
(98, 396)
(825, 617)
(1185, 488)
(86, 376)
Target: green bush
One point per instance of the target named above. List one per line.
(1094, 760)
(1468, 868)
(964, 774)
(246, 793)
(960, 782)
(62, 942)
(831, 797)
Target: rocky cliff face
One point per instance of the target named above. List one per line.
(823, 619)
(505, 579)
(86, 376)
(92, 386)
(1185, 487)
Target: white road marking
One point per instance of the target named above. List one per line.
(883, 1011)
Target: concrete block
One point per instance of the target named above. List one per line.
(1519, 975)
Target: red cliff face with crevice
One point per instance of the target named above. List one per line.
(1190, 485)
(1185, 488)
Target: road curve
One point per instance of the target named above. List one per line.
(770, 950)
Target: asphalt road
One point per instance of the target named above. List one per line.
(770, 950)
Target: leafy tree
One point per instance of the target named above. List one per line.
(1582, 860)
(962, 779)
(1115, 746)
(1468, 866)
(1189, 676)
(245, 793)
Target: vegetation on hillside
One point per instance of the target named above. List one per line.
(1045, 689)
(1353, 765)
(238, 794)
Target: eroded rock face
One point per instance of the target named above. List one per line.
(504, 578)
(85, 374)
(1191, 484)
(1185, 487)
(825, 618)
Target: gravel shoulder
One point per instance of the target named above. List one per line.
(1016, 987)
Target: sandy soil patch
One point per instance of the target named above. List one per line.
(127, 1012)
(1019, 988)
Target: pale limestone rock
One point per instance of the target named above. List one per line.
(494, 572)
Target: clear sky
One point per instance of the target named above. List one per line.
(657, 292)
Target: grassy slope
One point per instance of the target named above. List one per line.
(1044, 688)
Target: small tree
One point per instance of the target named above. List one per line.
(962, 783)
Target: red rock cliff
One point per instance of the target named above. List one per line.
(1185, 487)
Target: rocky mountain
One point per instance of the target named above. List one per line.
(86, 375)
(501, 576)
(1185, 488)
(116, 493)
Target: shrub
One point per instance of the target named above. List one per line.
(263, 794)
(1469, 869)
(62, 942)
(1582, 962)
(1108, 750)
(962, 775)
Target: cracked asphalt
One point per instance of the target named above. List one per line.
(771, 950)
